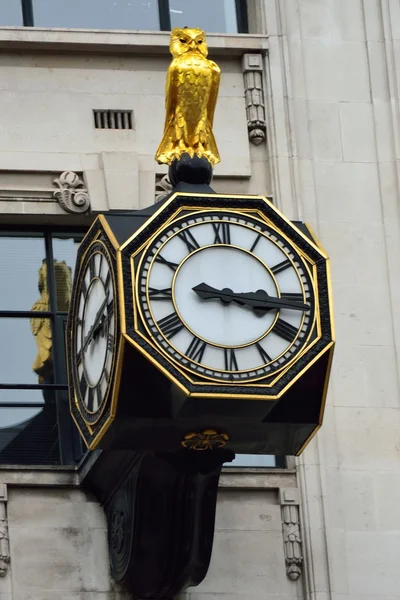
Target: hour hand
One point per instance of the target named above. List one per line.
(260, 301)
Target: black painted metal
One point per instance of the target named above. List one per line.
(160, 513)
(242, 16)
(27, 13)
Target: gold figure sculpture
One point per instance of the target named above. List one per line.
(191, 96)
(41, 326)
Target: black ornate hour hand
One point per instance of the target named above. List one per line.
(260, 301)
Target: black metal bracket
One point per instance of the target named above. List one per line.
(160, 511)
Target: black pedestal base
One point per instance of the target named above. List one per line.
(194, 170)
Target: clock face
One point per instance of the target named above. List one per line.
(226, 296)
(94, 332)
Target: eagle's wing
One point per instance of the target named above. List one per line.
(212, 101)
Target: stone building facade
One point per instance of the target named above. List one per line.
(308, 114)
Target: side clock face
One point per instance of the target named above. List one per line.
(226, 296)
(94, 332)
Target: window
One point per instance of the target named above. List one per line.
(223, 16)
(35, 425)
(36, 274)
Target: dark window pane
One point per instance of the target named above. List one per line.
(253, 460)
(29, 435)
(97, 14)
(10, 12)
(26, 351)
(210, 15)
(21, 271)
(64, 254)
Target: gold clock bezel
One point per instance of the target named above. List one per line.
(91, 422)
(178, 364)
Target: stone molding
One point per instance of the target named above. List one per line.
(4, 542)
(292, 542)
(252, 65)
(72, 193)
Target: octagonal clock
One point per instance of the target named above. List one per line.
(223, 323)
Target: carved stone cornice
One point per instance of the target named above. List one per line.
(252, 65)
(72, 194)
(4, 542)
(292, 541)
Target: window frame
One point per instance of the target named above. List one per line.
(163, 13)
(69, 442)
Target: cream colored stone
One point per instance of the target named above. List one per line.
(261, 568)
(324, 127)
(373, 560)
(336, 71)
(121, 179)
(255, 511)
(357, 129)
(336, 20)
(386, 494)
(347, 192)
(368, 438)
(359, 501)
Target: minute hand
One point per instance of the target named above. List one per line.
(259, 301)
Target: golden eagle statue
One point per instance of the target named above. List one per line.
(191, 96)
(41, 326)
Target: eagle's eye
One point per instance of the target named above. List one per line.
(199, 41)
(183, 41)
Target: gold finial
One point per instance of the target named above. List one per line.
(190, 99)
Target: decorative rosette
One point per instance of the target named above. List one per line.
(209, 439)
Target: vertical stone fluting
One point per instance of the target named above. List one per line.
(291, 532)
(4, 545)
(252, 65)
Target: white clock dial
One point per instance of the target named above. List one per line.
(95, 329)
(226, 296)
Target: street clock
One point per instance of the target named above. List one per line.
(211, 313)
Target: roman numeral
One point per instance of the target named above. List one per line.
(83, 386)
(83, 288)
(292, 296)
(186, 236)
(164, 294)
(285, 264)
(92, 268)
(110, 341)
(170, 325)
(79, 358)
(285, 330)
(255, 242)
(264, 355)
(107, 281)
(90, 399)
(196, 349)
(100, 264)
(164, 261)
(222, 233)
(106, 375)
(110, 308)
(98, 396)
(230, 360)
